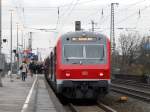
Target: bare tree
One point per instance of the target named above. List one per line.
(129, 45)
(144, 54)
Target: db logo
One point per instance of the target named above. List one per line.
(84, 73)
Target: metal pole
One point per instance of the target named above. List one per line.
(17, 51)
(22, 48)
(11, 13)
(38, 53)
(112, 37)
(17, 37)
(30, 41)
(112, 27)
(22, 40)
(24, 44)
(93, 23)
(0, 42)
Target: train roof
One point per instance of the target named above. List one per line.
(85, 33)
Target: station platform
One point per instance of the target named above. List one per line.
(25, 96)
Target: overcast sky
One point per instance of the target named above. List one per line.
(43, 14)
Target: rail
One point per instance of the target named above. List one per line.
(100, 107)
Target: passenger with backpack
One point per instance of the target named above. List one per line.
(23, 69)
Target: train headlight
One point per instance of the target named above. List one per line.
(101, 74)
(67, 74)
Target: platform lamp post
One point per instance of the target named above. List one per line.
(17, 48)
(11, 14)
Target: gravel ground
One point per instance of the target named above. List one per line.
(131, 105)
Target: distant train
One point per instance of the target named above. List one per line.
(79, 65)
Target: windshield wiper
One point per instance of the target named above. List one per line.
(101, 58)
(77, 63)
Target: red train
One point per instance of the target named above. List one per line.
(79, 65)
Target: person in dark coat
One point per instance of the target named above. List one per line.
(31, 68)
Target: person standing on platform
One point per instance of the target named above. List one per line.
(24, 70)
(31, 68)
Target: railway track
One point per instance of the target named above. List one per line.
(99, 107)
(132, 83)
(136, 93)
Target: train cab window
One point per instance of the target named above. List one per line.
(94, 51)
(83, 52)
(73, 51)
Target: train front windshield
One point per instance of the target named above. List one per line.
(89, 53)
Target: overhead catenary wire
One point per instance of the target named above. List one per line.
(127, 8)
(68, 15)
(59, 16)
(133, 5)
(71, 4)
(131, 15)
(84, 2)
(23, 8)
(106, 17)
(80, 3)
(138, 18)
(73, 7)
(130, 6)
(17, 10)
(55, 7)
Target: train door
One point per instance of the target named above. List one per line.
(54, 64)
(51, 65)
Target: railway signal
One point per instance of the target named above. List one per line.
(77, 25)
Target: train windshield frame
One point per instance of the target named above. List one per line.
(85, 51)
